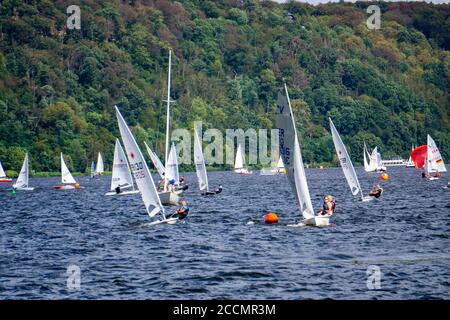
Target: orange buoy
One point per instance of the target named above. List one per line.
(271, 218)
(77, 185)
(384, 176)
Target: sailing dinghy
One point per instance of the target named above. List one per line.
(156, 161)
(375, 162)
(22, 180)
(142, 176)
(434, 163)
(121, 180)
(239, 163)
(3, 177)
(292, 159)
(346, 164)
(67, 180)
(200, 168)
(99, 169)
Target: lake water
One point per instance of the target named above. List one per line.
(217, 254)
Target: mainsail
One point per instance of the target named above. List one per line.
(291, 153)
(172, 166)
(200, 164)
(156, 161)
(240, 160)
(434, 158)
(99, 168)
(346, 162)
(140, 170)
(2, 172)
(66, 176)
(22, 180)
(121, 175)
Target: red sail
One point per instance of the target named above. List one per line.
(418, 156)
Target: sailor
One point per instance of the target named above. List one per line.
(118, 189)
(329, 206)
(183, 209)
(219, 189)
(436, 174)
(171, 185)
(424, 175)
(376, 191)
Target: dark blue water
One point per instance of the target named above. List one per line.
(217, 254)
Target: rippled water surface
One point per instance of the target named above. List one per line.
(217, 254)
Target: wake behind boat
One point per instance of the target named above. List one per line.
(292, 158)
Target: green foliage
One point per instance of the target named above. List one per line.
(58, 87)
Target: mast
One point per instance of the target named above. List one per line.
(168, 116)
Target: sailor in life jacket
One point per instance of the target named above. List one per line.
(329, 206)
(183, 209)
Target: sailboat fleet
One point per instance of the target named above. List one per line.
(131, 175)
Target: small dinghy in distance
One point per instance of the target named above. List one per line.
(99, 168)
(142, 175)
(22, 181)
(3, 177)
(346, 164)
(67, 180)
(239, 163)
(200, 168)
(121, 175)
(293, 162)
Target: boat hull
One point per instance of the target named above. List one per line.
(166, 221)
(169, 198)
(243, 171)
(64, 187)
(318, 221)
(123, 193)
(5, 180)
(25, 189)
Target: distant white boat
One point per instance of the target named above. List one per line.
(142, 175)
(434, 162)
(67, 180)
(292, 158)
(239, 163)
(121, 175)
(99, 169)
(410, 163)
(3, 177)
(346, 164)
(375, 162)
(279, 168)
(22, 181)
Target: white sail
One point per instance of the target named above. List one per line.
(240, 160)
(155, 160)
(172, 166)
(99, 168)
(200, 164)
(346, 162)
(22, 180)
(373, 160)
(366, 165)
(434, 158)
(280, 164)
(121, 174)
(166, 155)
(66, 176)
(291, 153)
(2, 172)
(140, 170)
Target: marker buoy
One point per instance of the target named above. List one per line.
(13, 192)
(77, 185)
(271, 218)
(384, 176)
